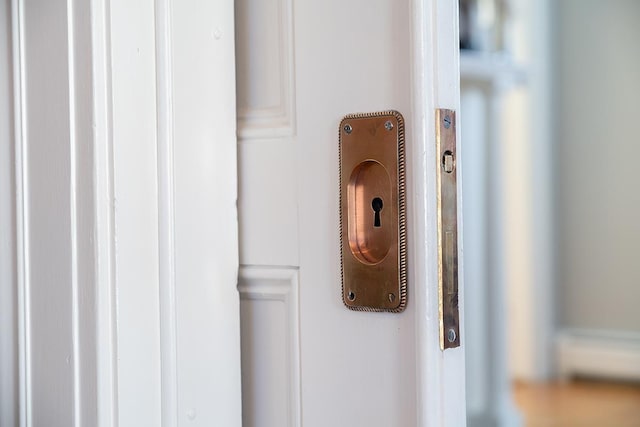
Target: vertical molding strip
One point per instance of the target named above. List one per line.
(107, 363)
(273, 121)
(419, 182)
(8, 290)
(435, 83)
(271, 283)
(73, 206)
(166, 215)
(22, 238)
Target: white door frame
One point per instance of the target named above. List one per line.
(436, 53)
(8, 298)
(143, 212)
(146, 256)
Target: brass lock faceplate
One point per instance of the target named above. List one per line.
(372, 212)
(446, 178)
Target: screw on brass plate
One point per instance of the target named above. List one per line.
(351, 296)
(388, 125)
(447, 122)
(451, 335)
(348, 128)
(392, 297)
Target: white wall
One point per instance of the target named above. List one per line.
(597, 87)
(596, 91)
(571, 206)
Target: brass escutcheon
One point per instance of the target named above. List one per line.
(372, 212)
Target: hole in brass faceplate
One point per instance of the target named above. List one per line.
(376, 205)
(448, 161)
(369, 242)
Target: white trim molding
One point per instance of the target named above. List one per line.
(99, 317)
(266, 121)
(166, 215)
(435, 73)
(20, 233)
(106, 330)
(55, 212)
(8, 291)
(595, 353)
(21, 211)
(260, 285)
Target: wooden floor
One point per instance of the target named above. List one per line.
(579, 403)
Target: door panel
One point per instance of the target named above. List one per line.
(357, 367)
(270, 346)
(300, 68)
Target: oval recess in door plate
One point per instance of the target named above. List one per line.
(372, 212)
(370, 230)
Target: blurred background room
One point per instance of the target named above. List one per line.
(549, 106)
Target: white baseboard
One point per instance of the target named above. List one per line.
(602, 354)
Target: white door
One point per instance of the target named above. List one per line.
(125, 255)
(306, 359)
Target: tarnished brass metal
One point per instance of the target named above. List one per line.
(447, 228)
(372, 212)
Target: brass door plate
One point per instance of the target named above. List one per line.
(372, 212)
(446, 171)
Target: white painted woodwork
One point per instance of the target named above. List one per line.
(374, 369)
(83, 217)
(134, 133)
(54, 213)
(106, 314)
(49, 285)
(596, 353)
(264, 62)
(126, 224)
(8, 290)
(206, 231)
(127, 233)
(182, 350)
(269, 313)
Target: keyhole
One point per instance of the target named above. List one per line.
(376, 204)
